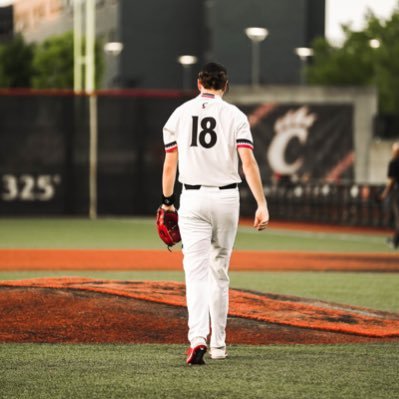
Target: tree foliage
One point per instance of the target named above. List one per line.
(45, 65)
(356, 63)
(16, 63)
(350, 65)
(54, 63)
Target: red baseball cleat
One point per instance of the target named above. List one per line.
(196, 355)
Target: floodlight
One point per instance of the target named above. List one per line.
(113, 48)
(256, 34)
(304, 52)
(374, 43)
(187, 60)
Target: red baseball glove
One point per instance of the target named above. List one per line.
(167, 227)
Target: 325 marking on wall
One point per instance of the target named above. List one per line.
(27, 187)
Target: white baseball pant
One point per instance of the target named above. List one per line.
(208, 220)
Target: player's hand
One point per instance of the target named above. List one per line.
(168, 207)
(261, 218)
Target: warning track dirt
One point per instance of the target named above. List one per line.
(122, 259)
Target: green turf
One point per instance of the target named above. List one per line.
(275, 239)
(140, 233)
(79, 233)
(158, 371)
(373, 290)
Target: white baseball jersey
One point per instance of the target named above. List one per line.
(207, 132)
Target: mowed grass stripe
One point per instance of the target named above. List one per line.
(140, 233)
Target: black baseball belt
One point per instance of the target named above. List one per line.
(198, 186)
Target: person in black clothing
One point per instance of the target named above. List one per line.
(392, 188)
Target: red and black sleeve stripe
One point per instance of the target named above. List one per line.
(244, 143)
(169, 147)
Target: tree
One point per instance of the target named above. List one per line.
(357, 63)
(16, 63)
(53, 63)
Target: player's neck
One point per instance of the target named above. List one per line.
(213, 92)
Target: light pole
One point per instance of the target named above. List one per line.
(303, 53)
(375, 45)
(89, 88)
(256, 35)
(78, 58)
(186, 61)
(113, 50)
(90, 73)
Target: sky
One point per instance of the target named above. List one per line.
(341, 11)
(353, 11)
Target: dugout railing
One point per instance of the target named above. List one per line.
(344, 203)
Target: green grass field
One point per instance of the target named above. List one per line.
(158, 371)
(140, 233)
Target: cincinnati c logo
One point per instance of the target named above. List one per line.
(294, 124)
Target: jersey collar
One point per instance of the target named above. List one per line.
(207, 95)
(210, 96)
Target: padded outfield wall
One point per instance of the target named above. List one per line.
(311, 151)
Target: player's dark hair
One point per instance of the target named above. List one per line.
(213, 76)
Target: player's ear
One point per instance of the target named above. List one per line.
(199, 85)
(226, 87)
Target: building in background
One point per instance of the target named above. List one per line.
(155, 33)
(39, 19)
(6, 23)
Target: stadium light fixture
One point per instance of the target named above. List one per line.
(113, 48)
(374, 43)
(187, 61)
(256, 35)
(303, 53)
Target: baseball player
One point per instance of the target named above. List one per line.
(205, 137)
(392, 188)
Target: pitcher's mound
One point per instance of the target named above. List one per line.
(78, 310)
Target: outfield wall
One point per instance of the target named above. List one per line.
(45, 144)
(303, 137)
(363, 102)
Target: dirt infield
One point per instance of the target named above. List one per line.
(80, 310)
(88, 259)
